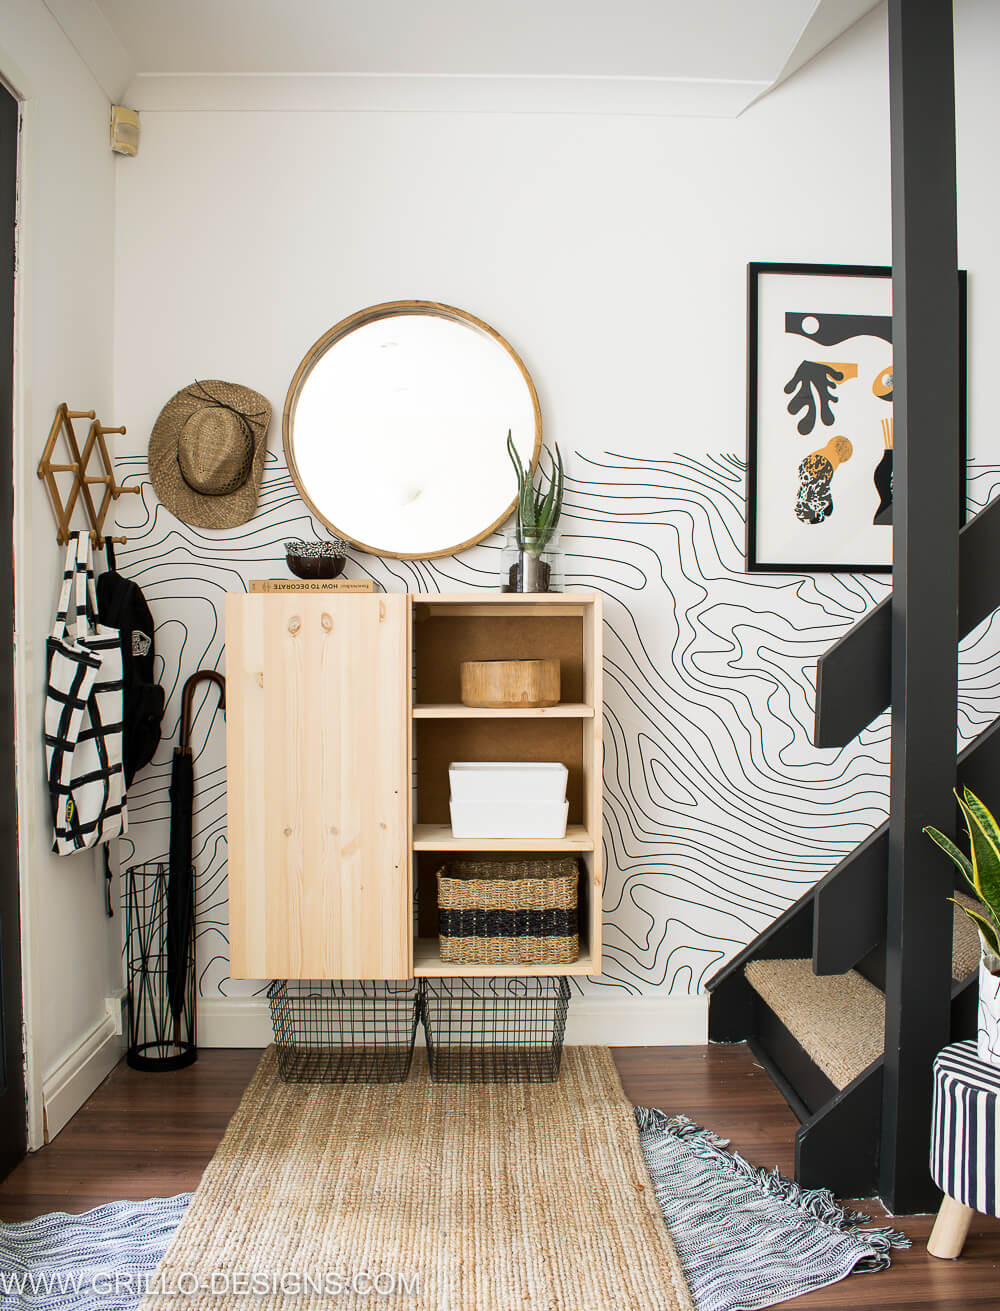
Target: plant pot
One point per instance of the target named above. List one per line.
(988, 1036)
(525, 567)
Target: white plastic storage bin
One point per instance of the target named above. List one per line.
(503, 780)
(509, 819)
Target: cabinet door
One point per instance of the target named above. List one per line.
(318, 767)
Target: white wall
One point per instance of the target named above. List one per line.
(64, 353)
(611, 251)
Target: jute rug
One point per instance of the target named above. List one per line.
(428, 1197)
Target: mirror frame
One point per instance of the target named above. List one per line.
(392, 309)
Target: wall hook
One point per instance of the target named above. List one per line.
(78, 464)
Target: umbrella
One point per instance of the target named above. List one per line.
(180, 881)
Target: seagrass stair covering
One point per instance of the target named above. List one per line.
(839, 1019)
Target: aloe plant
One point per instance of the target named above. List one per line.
(981, 867)
(538, 509)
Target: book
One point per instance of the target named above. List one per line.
(310, 585)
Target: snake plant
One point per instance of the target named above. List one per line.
(538, 510)
(981, 867)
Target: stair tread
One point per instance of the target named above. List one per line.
(965, 945)
(838, 1019)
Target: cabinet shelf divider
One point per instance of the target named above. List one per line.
(565, 710)
(439, 837)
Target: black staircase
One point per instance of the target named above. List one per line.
(847, 997)
(838, 925)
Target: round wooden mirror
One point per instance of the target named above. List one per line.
(395, 429)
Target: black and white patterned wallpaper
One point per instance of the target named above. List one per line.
(718, 812)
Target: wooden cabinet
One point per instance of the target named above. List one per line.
(317, 739)
(343, 714)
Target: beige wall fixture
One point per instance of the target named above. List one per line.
(342, 716)
(395, 429)
(124, 130)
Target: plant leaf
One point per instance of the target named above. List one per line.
(523, 488)
(557, 508)
(515, 459)
(987, 931)
(987, 821)
(527, 506)
(985, 853)
(948, 847)
(546, 522)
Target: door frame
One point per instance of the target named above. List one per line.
(13, 1107)
(17, 82)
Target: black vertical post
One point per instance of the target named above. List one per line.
(925, 583)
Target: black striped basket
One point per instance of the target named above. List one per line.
(508, 912)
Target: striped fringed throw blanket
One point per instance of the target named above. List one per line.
(748, 1238)
(102, 1260)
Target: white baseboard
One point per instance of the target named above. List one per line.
(647, 1021)
(70, 1083)
(234, 1022)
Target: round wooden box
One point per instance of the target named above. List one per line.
(501, 684)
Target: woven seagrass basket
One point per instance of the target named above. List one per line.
(508, 912)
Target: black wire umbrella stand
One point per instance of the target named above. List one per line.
(160, 923)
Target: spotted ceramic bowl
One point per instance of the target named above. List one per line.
(313, 560)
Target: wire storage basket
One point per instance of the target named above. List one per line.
(344, 1031)
(495, 1030)
(160, 976)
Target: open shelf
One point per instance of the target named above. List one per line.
(447, 630)
(439, 837)
(427, 964)
(452, 710)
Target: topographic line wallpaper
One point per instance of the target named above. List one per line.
(719, 812)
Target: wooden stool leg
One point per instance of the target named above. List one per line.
(950, 1229)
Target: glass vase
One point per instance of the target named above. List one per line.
(525, 566)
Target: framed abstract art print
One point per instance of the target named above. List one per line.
(820, 417)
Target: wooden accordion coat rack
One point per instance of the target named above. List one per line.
(79, 462)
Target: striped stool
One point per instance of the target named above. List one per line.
(964, 1142)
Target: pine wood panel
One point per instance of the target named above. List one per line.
(317, 744)
(591, 901)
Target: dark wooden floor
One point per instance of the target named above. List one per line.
(143, 1135)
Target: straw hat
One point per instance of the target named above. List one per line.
(206, 453)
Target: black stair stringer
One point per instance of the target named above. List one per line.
(837, 1147)
(853, 678)
(731, 1005)
(849, 906)
(849, 902)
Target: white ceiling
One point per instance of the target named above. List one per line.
(727, 52)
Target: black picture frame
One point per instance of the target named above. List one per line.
(756, 560)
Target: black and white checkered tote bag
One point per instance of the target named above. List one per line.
(83, 715)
